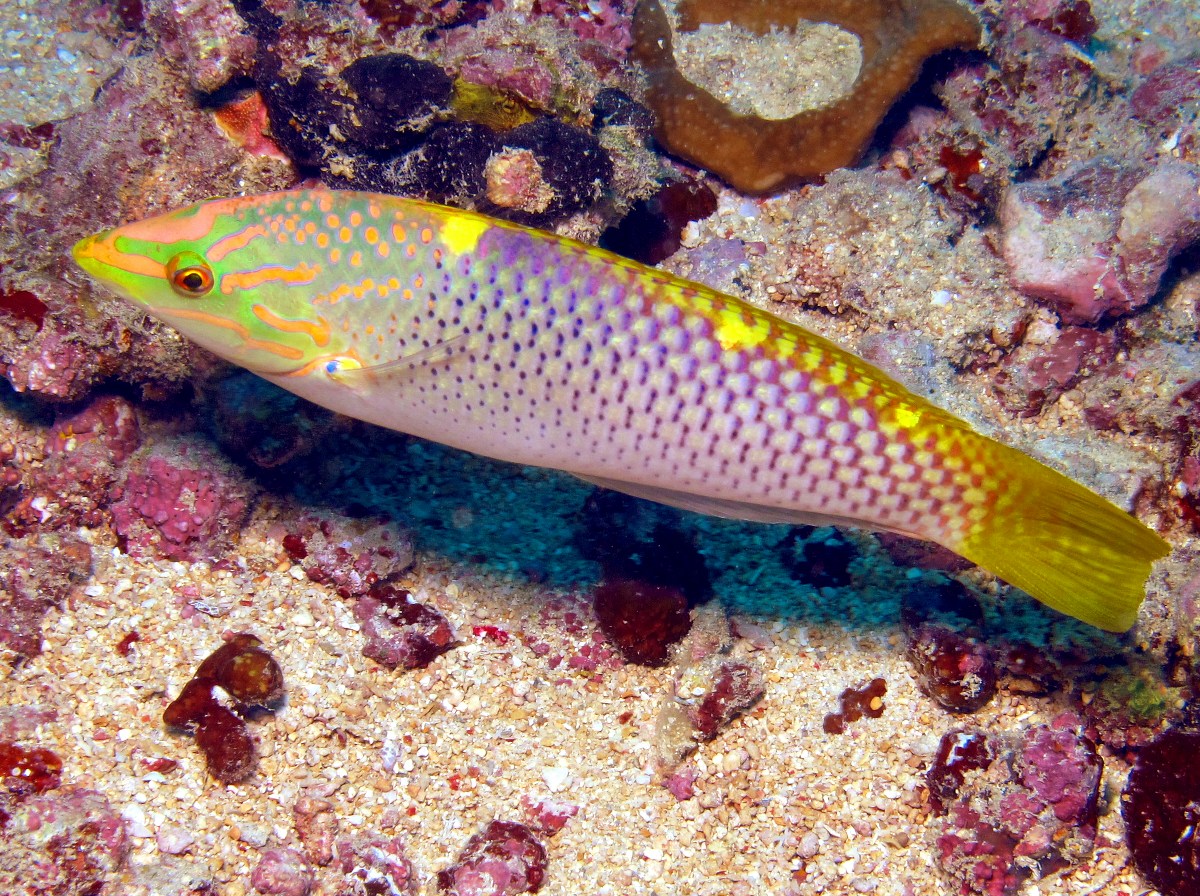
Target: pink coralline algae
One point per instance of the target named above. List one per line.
(282, 872)
(317, 827)
(503, 860)
(1015, 806)
(208, 37)
(182, 501)
(348, 555)
(1035, 376)
(732, 688)
(374, 867)
(546, 815)
(400, 632)
(68, 843)
(1095, 242)
(1169, 93)
(38, 577)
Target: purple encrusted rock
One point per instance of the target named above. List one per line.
(1016, 806)
(282, 872)
(1033, 377)
(502, 860)
(180, 500)
(400, 632)
(317, 827)
(374, 866)
(66, 842)
(1095, 242)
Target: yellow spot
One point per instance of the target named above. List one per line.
(335, 255)
(383, 250)
(345, 234)
(355, 259)
(289, 225)
(461, 233)
(393, 283)
(398, 233)
(426, 235)
(374, 209)
(907, 418)
(407, 294)
(410, 250)
(333, 222)
(322, 240)
(837, 374)
(310, 227)
(306, 206)
(418, 281)
(355, 219)
(371, 235)
(733, 332)
(325, 203)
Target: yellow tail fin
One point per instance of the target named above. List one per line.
(1064, 545)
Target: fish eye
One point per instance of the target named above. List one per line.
(190, 277)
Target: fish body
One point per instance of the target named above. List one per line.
(528, 347)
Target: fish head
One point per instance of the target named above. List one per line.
(232, 275)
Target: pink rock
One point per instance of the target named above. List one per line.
(351, 556)
(374, 866)
(681, 784)
(547, 815)
(1028, 380)
(400, 632)
(1096, 241)
(208, 36)
(317, 828)
(282, 872)
(182, 501)
(503, 860)
(1033, 812)
(69, 842)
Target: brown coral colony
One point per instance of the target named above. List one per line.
(757, 154)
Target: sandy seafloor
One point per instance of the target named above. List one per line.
(774, 794)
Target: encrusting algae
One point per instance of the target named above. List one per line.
(531, 348)
(757, 154)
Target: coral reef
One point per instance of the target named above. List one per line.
(1014, 806)
(180, 500)
(757, 154)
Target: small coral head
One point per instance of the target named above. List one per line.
(220, 273)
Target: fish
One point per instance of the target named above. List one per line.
(529, 347)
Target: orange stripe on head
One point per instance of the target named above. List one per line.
(318, 332)
(106, 252)
(224, 323)
(301, 273)
(235, 241)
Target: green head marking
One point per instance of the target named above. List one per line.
(233, 275)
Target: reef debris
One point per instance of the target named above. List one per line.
(757, 154)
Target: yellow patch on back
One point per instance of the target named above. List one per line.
(460, 233)
(733, 332)
(908, 419)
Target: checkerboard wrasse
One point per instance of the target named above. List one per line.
(536, 349)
